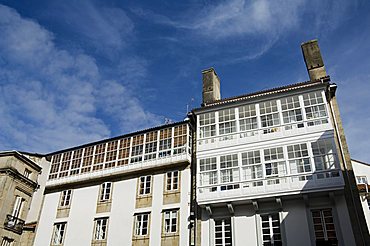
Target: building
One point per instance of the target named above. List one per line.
(272, 166)
(362, 172)
(265, 168)
(129, 190)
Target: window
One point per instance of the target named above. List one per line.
(59, 232)
(271, 229)
(66, 162)
(361, 179)
(99, 156)
(170, 221)
(17, 208)
(65, 198)
(315, 109)
(172, 181)
(274, 164)
(368, 202)
(227, 123)
(165, 142)
(151, 146)
(223, 235)
(208, 172)
(292, 113)
(247, 120)
(179, 141)
(142, 224)
(324, 158)
(7, 241)
(324, 228)
(76, 162)
(207, 125)
(27, 173)
(299, 161)
(269, 115)
(87, 159)
(110, 159)
(229, 171)
(252, 167)
(105, 191)
(137, 148)
(123, 152)
(144, 185)
(101, 228)
(55, 164)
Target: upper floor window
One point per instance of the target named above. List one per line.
(361, 179)
(65, 166)
(27, 173)
(17, 207)
(315, 108)
(324, 227)
(170, 221)
(324, 157)
(123, 152)
(65, 198)
(208, 172)
(223, 233)
(274, 164)
(270, 224)
(269, 115)
(165, 142)
(299, 160)
(227, 123)
(180, 139)
(207, 125)
(172, 180)
(142, 224)
(144, 185)
(58, 234)
(292, 113)
(151, 146)
(101, 228)
(105, 191)
(111, 155)
(137, 148)
(7, 241)
(76, 161)
(229, 171)
(248, 119)
(252, 167)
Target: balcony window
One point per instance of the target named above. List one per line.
(315, 108)
(76, 162)
(223, 233)
(55, 164)
(207, 125)
(227, 123)
(65, 165)
(99, 156)
(229, 171)
(208, 172)
(165, 142)
(274, 164)
(324, 158)
(248, 120)
(292, 113)
(123, 152)
(59, 233)
(137, 148)
(151, 146)
(271, 235)
(180, 137)
(324, 227)
(87, 159)
(299, 161)
(252, 167)
(269, 116)
(111, 156)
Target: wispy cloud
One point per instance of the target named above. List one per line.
(53, 98)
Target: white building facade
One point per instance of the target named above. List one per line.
(131, 190)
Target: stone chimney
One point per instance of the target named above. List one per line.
(211, 86)
(313, 59)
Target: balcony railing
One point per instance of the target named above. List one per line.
(251, 189)
(14, 224)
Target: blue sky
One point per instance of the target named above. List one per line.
(78, 71)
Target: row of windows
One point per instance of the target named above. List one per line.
(151, 145)
(145, 188)
(269, 163)
(270, 224)
(291, 112)
(141, 226)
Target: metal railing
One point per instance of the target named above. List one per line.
(13, 223)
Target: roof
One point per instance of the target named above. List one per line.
(22, 158)
(262, 93)
(361, 162)
(120, 137)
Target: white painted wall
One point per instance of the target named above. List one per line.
(80, 223)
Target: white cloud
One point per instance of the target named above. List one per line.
(53, 98)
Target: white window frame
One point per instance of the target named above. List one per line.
(105, 191)
(271, 229)
(59, 233)
(172, 180)
(222, 230)
(142, 224)
(145, 185)
(361, 180)
(65, 198)
(17, 207)
(170, 218)
(101, 228)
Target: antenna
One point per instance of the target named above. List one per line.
(189, 105)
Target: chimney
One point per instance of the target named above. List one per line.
(313, 59)
(211, 86)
